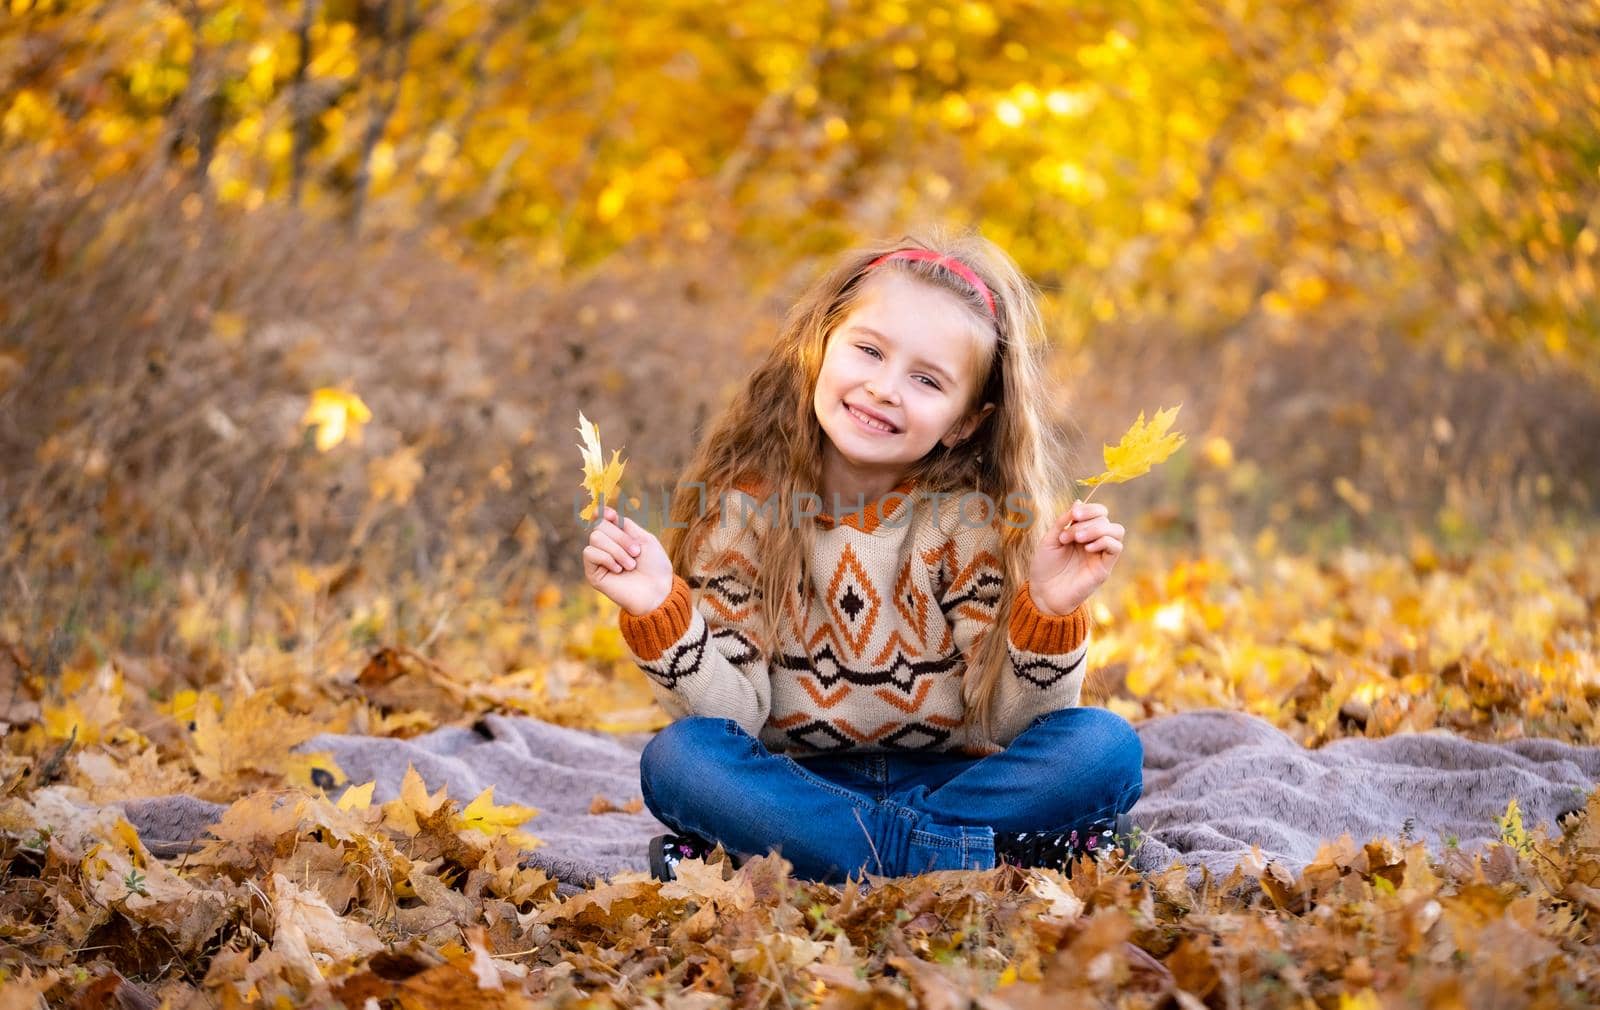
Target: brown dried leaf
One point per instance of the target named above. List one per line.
(601, 805)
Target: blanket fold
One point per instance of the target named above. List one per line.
(1218, 781)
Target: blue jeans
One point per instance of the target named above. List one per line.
(833, 815)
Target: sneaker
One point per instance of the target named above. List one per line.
(667, 851)
(1060, 849)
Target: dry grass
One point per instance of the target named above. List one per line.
(156, 355)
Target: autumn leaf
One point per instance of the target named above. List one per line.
(254, 734)
(484, 816)
(93, 706)
(1511, 830)
(395, 476)
(314, 770)
(599, 477)
(336, 414)
(602, 804)
(1142, 446)
(304, 925)
(1064, 905)
(403, 811)
(357, 797)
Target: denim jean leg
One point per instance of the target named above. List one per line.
(1068, 769)
(710, 777)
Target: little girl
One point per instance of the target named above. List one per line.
(865, 515)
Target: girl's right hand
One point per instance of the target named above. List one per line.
(627, 564)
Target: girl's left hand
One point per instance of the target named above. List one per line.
(1071, 562)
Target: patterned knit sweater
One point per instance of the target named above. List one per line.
(874, 662)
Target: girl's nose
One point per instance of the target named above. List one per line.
(872, 391)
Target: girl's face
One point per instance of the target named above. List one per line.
(897, 375)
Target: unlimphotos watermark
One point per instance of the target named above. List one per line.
(896, 509)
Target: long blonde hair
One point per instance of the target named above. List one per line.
(770, 432)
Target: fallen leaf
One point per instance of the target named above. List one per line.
(602, 805)
(337, 414)
(482, 815)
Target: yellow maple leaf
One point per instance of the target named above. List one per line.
(311, 771)
(1142, 446)
(336, 414)
(65, 722)
(254, 733)
(357, 797)
(484, 816)
(600, 479)
(182, 705)
(92, 709)
(401, 813)
(1512, 832)
(414, 793)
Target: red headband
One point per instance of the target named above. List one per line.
(950, 263)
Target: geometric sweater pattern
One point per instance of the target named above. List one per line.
(872, 660)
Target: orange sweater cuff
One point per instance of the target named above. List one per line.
(1048, 634)
(648, 636)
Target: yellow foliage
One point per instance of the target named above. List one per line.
(1497, 115)
(29, 117)
(336, 414)
(1218, 451)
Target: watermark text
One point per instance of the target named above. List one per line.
(895, 510)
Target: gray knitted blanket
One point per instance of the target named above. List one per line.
(1215, 783)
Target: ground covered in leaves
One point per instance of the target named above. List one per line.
(303, 899)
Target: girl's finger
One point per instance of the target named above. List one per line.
(607, 536)
(1088, 530)
(1061, 530)
(636, 536)
(602, 561)
(614, 544)
(1109, 528)
(1082, 510)
(1111, 545)
(612, 519)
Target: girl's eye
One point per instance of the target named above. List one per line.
(932, 383)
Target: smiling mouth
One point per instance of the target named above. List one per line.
(871, 422)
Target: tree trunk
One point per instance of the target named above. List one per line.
(300, 102)
(394, 57)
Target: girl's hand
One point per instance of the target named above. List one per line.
(627, 564)
(1071, 562)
